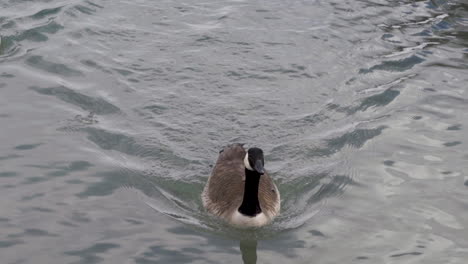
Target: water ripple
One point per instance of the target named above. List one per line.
(87, 103)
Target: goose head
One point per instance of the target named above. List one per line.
(254, 160)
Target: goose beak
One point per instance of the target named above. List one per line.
(259, 167)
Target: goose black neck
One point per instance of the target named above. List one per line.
(250, 205)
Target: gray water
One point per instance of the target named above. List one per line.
(112, 114)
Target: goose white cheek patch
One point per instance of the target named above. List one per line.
(246, 162)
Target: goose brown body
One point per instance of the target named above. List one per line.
(224, 191)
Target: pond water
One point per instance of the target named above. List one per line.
(113, 112)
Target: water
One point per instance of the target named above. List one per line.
(113, 112)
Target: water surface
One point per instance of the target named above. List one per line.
(113, 112)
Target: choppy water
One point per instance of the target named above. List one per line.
(112, 113)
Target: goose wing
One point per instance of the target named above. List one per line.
(225, 188)
(268, 196)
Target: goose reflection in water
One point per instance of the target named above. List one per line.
(248, 249)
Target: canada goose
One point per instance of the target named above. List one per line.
(239, 190)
